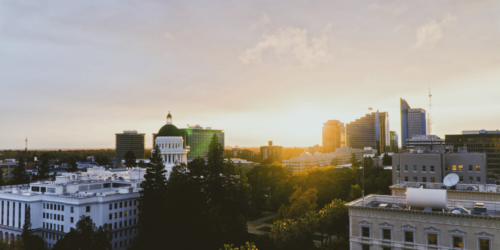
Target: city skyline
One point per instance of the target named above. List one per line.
(70, 81)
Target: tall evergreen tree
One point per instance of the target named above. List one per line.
(152, 204)
(130, 159)
(19, 174)
(73, 167)
(30, 241)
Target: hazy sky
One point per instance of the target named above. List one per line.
(74, 73)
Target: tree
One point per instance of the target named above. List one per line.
(247, 246)
(43, 169)
(300, 203)
(85, 237)
(354, 161)
(130, 159)
(30, 241)
(368, 162)
(73, 166)
(386, 160)
(152, 203)
(355, 192)
(335, 161)
(19, 174)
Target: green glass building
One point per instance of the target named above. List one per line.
(198, 140)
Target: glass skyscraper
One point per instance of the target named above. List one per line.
(198, 140)
(333, 135)
(372, 130)
(413, 122)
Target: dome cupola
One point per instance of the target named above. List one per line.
(169, 129)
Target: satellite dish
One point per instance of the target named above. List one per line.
(451, 180)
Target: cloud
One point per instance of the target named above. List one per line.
(291, 42)
(429, 34)
(263, 22)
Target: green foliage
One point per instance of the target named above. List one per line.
(300, 203)
(43, 169)
(247, 246)
(265, 179)
(19, 174)
(335, 161)
(208, 201)
(387, 160)
(368, 162)
(297, 234)
(152, 203)
(73, 167)
(130, 159)
(354, 193)
(354, 161)
(85, 237)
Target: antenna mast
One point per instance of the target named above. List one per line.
(430, 109)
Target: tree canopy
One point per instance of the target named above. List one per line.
(85, 237)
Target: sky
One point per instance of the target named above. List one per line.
(74, 73)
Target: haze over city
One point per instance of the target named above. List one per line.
(76, 73)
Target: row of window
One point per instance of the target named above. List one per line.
(53, 216)
(122, 204)
(457, 238)
(122, 214)
(54, 207)
(454, 168)
(123, 233)
(433, 179)
(123, 224)
(53, 226)
(51, 236)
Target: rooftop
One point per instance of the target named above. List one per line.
(487, 188)
(454, 207)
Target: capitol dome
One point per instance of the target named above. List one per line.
(169, 129)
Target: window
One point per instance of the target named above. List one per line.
(406, 178)
(386, 234)
(110, 216)
(478, 168)
(71, 219)
(365, 247)
(478, 179)
(397, 168)
(130, 203)
(458, 241)
(424, 179)
(62, 228)
(432, 239)
(58, 207)
(406, 168)
(43, 216)
(424, 168)
(414, 168)
(62, 208)
(51, 207)
(62, 217)
(125, 214)
(125, 203)
(432, 169)
(460, 167)
(116, 205)
(72, 209)
(398, 179)
(121, 214)
(121, 224)
(433, 179)
(87, 209)
(415, 179)
(461, 178)
(471, 179)
(135, 203)
(116, 215)
(43, 205)
(408, 236)
(110, 206)
(484, 244)
(470, 168)
(121, 204)
(365, 232)
(454, 168)
(447, 167)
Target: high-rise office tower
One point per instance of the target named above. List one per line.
(413, 122)
(480, 141)
(394, 142)
(271, 153)
(129, 140)
(333, 135)
(198, 139)
(372, 130)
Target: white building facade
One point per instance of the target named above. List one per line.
(106, 197)
(170, 142)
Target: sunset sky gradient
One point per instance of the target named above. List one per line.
(74, 73)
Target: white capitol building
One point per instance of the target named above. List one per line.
(170, 142)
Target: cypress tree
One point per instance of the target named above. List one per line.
(73, 167)
(19, 174)
(130, 159)
(152, 204)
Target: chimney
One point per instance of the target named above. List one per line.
(270, 143)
